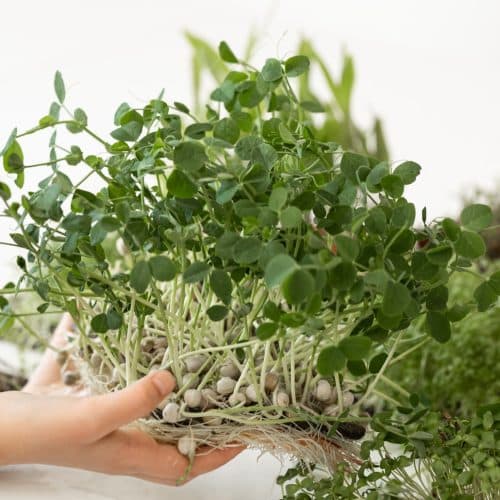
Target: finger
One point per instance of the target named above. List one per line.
(111, 411)
(211, 459)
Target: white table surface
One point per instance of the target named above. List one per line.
(247, 477)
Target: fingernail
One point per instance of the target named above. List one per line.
(163, 382)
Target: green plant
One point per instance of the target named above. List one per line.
(463, 374)
(437, 457)
(274, 273)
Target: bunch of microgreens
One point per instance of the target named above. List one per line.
(439, 457)
(272, 272)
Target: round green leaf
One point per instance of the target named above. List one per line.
(162, 268)
(114, 319)
(140, 276)
(347, 248)
(396, 299)
(470, 245)
(179, 185)
(217, 312)
(408, 171)
(296, 65)
(476, 217)
(221, 284)
(278, 269)
(437, 299)
(485, 296)
(272, 70)
(298, 286)
(225, 244)
(278, 198)
(227, 130)
(197, 271)
(266, 330)
(393, 185)
(190, 156)
(451, 229)
(291, 217)
(438, 326)
(377, 362)
(99, 323)
(355, 347)
(440, 255)
(343, 276)
(330, 360)
(247, 250)
(226, 54)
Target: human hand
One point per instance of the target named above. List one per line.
(89, 433)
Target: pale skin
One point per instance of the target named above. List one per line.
(93, 432)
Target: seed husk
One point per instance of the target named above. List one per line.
(229, 369)
(331, 411)
(348, 398)
(323, 391)
(208, 398)
(271, 381)
(281, 399)
(225, 385)
(251, 394)
(171, 413)
(186, 446)
(351, 430)
(190, 380)
(71, 378)
(194, 363)
(148, 344)
(192, 398)
(237, 399)
(95, 360)
(212, 420)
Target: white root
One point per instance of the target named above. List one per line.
(192, 398)
(171, 413)
(225, 386)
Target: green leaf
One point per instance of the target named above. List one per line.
(221, 284)
(59, 87)
(272, 70)
(247, 250)
(330, 360)
(114, 319)
(296, 65)
(180, 185)
(190, 156)
(277, 199)
(291, 217)
(470, 245)
(440, 255)
(99, 323)
(485, 296)
(285, 134)
(451, 229)
(494, 282)
(355, 347)
(351, 163)
(476, 217)
(140, 277)
(226, 192)
(298, 286)
(10, 141)
(347, 248)
(227, 130)
(225, 244)
(408, 171)
(278, 269)
(197, 271)
(5, 192)
(437, 299)
(226, 54)
(197, 130)
(13, 158)
(217, 312)
(438, 326)
(393, 185)
(377, 362)
(343, 276)
(266, 330)
(162, 268)
(396, 299)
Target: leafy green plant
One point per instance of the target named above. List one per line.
(438, 457)
(463, 374)
(274, 272)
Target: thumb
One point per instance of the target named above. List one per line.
(111, 411)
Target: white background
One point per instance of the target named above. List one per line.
(430, 69)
